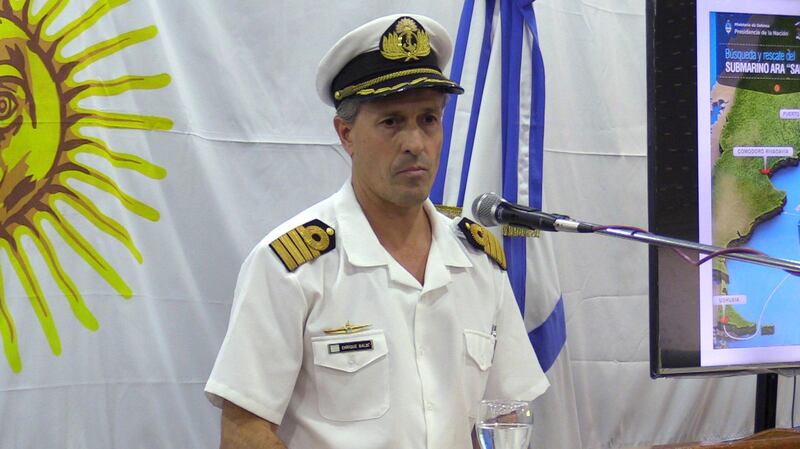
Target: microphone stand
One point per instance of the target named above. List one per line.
(766, 400)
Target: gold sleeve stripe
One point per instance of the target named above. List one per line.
(501, 258)
(301, 245)
(284, 255)
(290, 246)
(304, 244)
(491, 244)
(500, 255)
(480, 238)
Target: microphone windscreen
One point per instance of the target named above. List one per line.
(484, 207)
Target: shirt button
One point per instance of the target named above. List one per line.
(420, 352)
(428, 406)
(351, 362)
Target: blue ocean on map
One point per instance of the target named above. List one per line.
(773, 295)
(716, 110)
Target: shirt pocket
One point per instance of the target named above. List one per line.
(479, 348)
(352, 375)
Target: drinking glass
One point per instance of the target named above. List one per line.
(504, 424)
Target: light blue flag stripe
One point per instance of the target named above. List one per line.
(511, 35)
(459, 55)
(480, 84)
(550, 336)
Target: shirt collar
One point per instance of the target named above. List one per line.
(445, 239)
(363, 249)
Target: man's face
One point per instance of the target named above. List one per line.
(395, 144)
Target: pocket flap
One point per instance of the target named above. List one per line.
(480, 347)
(349, 353)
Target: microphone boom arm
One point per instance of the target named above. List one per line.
(490, 209)
(670, 242)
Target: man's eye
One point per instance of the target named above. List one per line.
(389, 121)
(431, 119)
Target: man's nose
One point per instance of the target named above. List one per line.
(414, 140)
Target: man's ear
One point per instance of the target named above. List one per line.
(343, 130)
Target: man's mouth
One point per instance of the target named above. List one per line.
(414, 169)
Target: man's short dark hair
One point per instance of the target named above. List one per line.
(348, 108)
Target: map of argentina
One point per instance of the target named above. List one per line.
(755, 137)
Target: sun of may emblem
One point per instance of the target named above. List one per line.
(40, 143)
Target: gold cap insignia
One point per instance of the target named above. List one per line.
(408, 41)
(304, 244)
(481, 238)
(347, 329)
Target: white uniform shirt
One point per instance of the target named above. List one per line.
(425, 362)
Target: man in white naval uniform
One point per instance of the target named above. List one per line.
(370, 320)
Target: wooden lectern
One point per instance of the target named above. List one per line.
(768, 439)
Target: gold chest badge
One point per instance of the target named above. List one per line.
(347, 329)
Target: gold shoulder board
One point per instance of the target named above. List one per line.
(304, 244)
(481, 238)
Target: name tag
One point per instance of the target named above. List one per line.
(363, 345)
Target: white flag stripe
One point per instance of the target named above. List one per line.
(487, 156)
(469, 75)
(525, 95)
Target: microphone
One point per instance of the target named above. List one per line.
(490, 209)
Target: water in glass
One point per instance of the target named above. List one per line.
(504, 424)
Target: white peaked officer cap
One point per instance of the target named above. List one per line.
(388, 55)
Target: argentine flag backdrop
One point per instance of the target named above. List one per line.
(146, 146)
(494, 142)
(494, 139)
